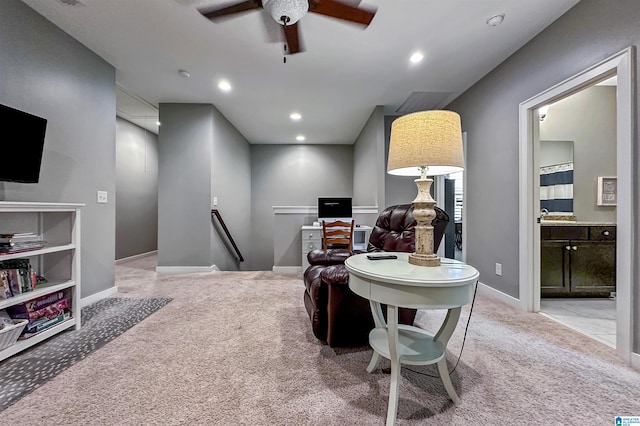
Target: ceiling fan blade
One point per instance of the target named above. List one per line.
(336, 9)
(230, 9)
(292, 37)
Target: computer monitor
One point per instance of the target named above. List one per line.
(334, 208)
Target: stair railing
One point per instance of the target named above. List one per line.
(215, 213)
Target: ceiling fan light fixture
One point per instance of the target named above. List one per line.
(286, 12)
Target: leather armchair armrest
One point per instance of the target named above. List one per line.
(336, 275)
(328, 257)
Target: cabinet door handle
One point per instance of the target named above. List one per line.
(567, 247)
(574, 248)
(606, 233)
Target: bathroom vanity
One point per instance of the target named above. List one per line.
(577, 259)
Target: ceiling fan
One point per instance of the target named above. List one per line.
(287, 13)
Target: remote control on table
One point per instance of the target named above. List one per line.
(381, 256)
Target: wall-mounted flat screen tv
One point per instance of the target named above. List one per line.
(22, 154)
(334, 208)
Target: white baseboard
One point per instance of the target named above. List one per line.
(137, 256)
(287, 269)
(492, 292)
(635, 360)
(185, 269)
(86, 301)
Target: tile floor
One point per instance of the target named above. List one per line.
(594, 317)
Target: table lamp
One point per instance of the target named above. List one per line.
(425, 143)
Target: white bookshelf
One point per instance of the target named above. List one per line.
(58, 261)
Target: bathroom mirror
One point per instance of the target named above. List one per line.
(556, 179)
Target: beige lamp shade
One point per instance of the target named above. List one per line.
(427, 138)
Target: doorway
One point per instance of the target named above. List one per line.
(620, 65)
(577, 143)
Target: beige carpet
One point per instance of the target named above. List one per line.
(235, 348)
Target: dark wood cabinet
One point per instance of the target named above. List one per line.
(577, 261)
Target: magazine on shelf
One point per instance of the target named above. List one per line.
(16, 242)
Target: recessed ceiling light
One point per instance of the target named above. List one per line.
(300, 138)
(184, 73)
(416, 57)
(295, 116)
(224, 85)
(495, 20)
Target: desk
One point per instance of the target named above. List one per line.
(396, 283)
(312, 240)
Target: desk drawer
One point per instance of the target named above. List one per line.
(310, 245)
(602, 233)
(312, 235)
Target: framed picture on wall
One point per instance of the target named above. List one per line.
(607, 191)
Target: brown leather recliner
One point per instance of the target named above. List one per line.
(338, 316)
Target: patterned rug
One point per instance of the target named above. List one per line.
(102, 322)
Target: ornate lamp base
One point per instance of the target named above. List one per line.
(424, 214)
(424, 260)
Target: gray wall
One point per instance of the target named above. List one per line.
(200, 153)
(369, 162)
(588, 118)
(588, 33)
(398, 189)
(231, 184)
(292, 175)
(136, 190)
(47, 73)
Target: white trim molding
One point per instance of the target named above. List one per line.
(314, 209)
(635, 360)
(621, 64)
(498, 295)
(136, 256)
(170, 270)
(86, 301)
(287, 269)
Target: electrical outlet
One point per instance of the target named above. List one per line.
(102, 197)
(499, 269)
(215, 201)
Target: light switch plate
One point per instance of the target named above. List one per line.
(103, 197)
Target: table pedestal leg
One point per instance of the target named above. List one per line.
(443, 335)
(443, 370)
(379, 321)
(392, 334)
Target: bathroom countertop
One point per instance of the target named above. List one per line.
(574, 223)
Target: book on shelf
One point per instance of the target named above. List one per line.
(37, 303)
(5, 286)
(42, 324)
(49, 311)
(18, 275)
(19, 247)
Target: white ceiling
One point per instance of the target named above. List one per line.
(335, 84)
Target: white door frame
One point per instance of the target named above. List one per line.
(439, 193)
(621, 64)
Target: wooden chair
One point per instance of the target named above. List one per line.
(337, 234)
